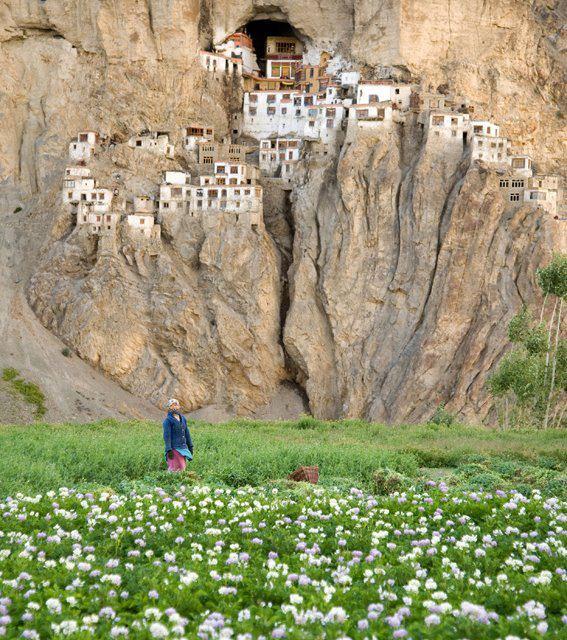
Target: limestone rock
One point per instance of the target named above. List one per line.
(382, 287)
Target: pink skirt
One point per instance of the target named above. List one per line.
(177, 463)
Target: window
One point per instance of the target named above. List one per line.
(98, 218)
(84, 218)
(518, 163)
(234, 169)
(438, 121)
(436, 133)
(362, 113)
(254, 98)
(138, 143)
(504, 184)
(373, 98)
(330, 123)
(199, 204)
(70, 195)
(284, 110)
(517, 184)
(454, 121)
(454, 134)
(165, 205)
(514, 197)
(271, 111)
(478, 129)
(271, 98)
(537, 195)
(285, 47)
(108, 218)
(298, 112)
(252, 111)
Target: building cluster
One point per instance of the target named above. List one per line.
(287, 102)
(98, 209)
(232, 188)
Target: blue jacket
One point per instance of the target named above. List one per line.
(176, 434)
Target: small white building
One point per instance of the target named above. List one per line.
(243, 201)
(84, 147)
(195, 134)
(96, 221)
(449, 126)
(521, 165)
(545, 199)
(279, 156)
(396, 93)
(235, 174)
(154, 141)
(220, 64)
(144, 205)
(490, 149)
(174, 192)
(240, 45)
(77, 172)
(366, 117)
(144, 225)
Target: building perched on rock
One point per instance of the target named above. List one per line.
(96, 221)
(194, 134)
(232, 189)
(282, 55)
(220, 64)
(154, 141)
(279, 156)
(174, 191)
(84, 147)
(141, 222)
(240, 46)
(487, 143)
(448, 127)
(210, 152)
(397, 94)
(521, 165)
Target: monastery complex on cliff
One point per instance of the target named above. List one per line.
(288, 102)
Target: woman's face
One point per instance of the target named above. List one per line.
(175, 406)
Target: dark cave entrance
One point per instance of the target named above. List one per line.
(260, 30)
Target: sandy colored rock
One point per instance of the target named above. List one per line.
(381, 287)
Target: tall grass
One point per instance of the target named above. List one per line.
(108, 453)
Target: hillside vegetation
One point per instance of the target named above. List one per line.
(349, 453)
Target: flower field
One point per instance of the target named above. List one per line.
(208, 562)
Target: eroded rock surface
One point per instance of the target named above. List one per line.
(382, 288)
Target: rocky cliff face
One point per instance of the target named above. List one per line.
(381, 289)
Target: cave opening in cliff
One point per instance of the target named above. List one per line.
(260, 29)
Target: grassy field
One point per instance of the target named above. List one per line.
(372, 456)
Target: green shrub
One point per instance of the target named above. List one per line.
(387, 481)
(29, 391)
(443, 418)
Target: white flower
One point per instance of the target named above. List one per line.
(158, 630)
(53, 605)
(189, 577)
(432, 619)
(295, 598)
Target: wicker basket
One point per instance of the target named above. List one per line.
(305, 474)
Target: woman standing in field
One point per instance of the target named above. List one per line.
(177, 439)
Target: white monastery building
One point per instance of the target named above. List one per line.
(239, 45)
(84, 146)
(279, 156)
(155, 141)
(194, 134)
(487, 144)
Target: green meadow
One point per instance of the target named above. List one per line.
(129, 455)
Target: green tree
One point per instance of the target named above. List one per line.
(531, 380)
